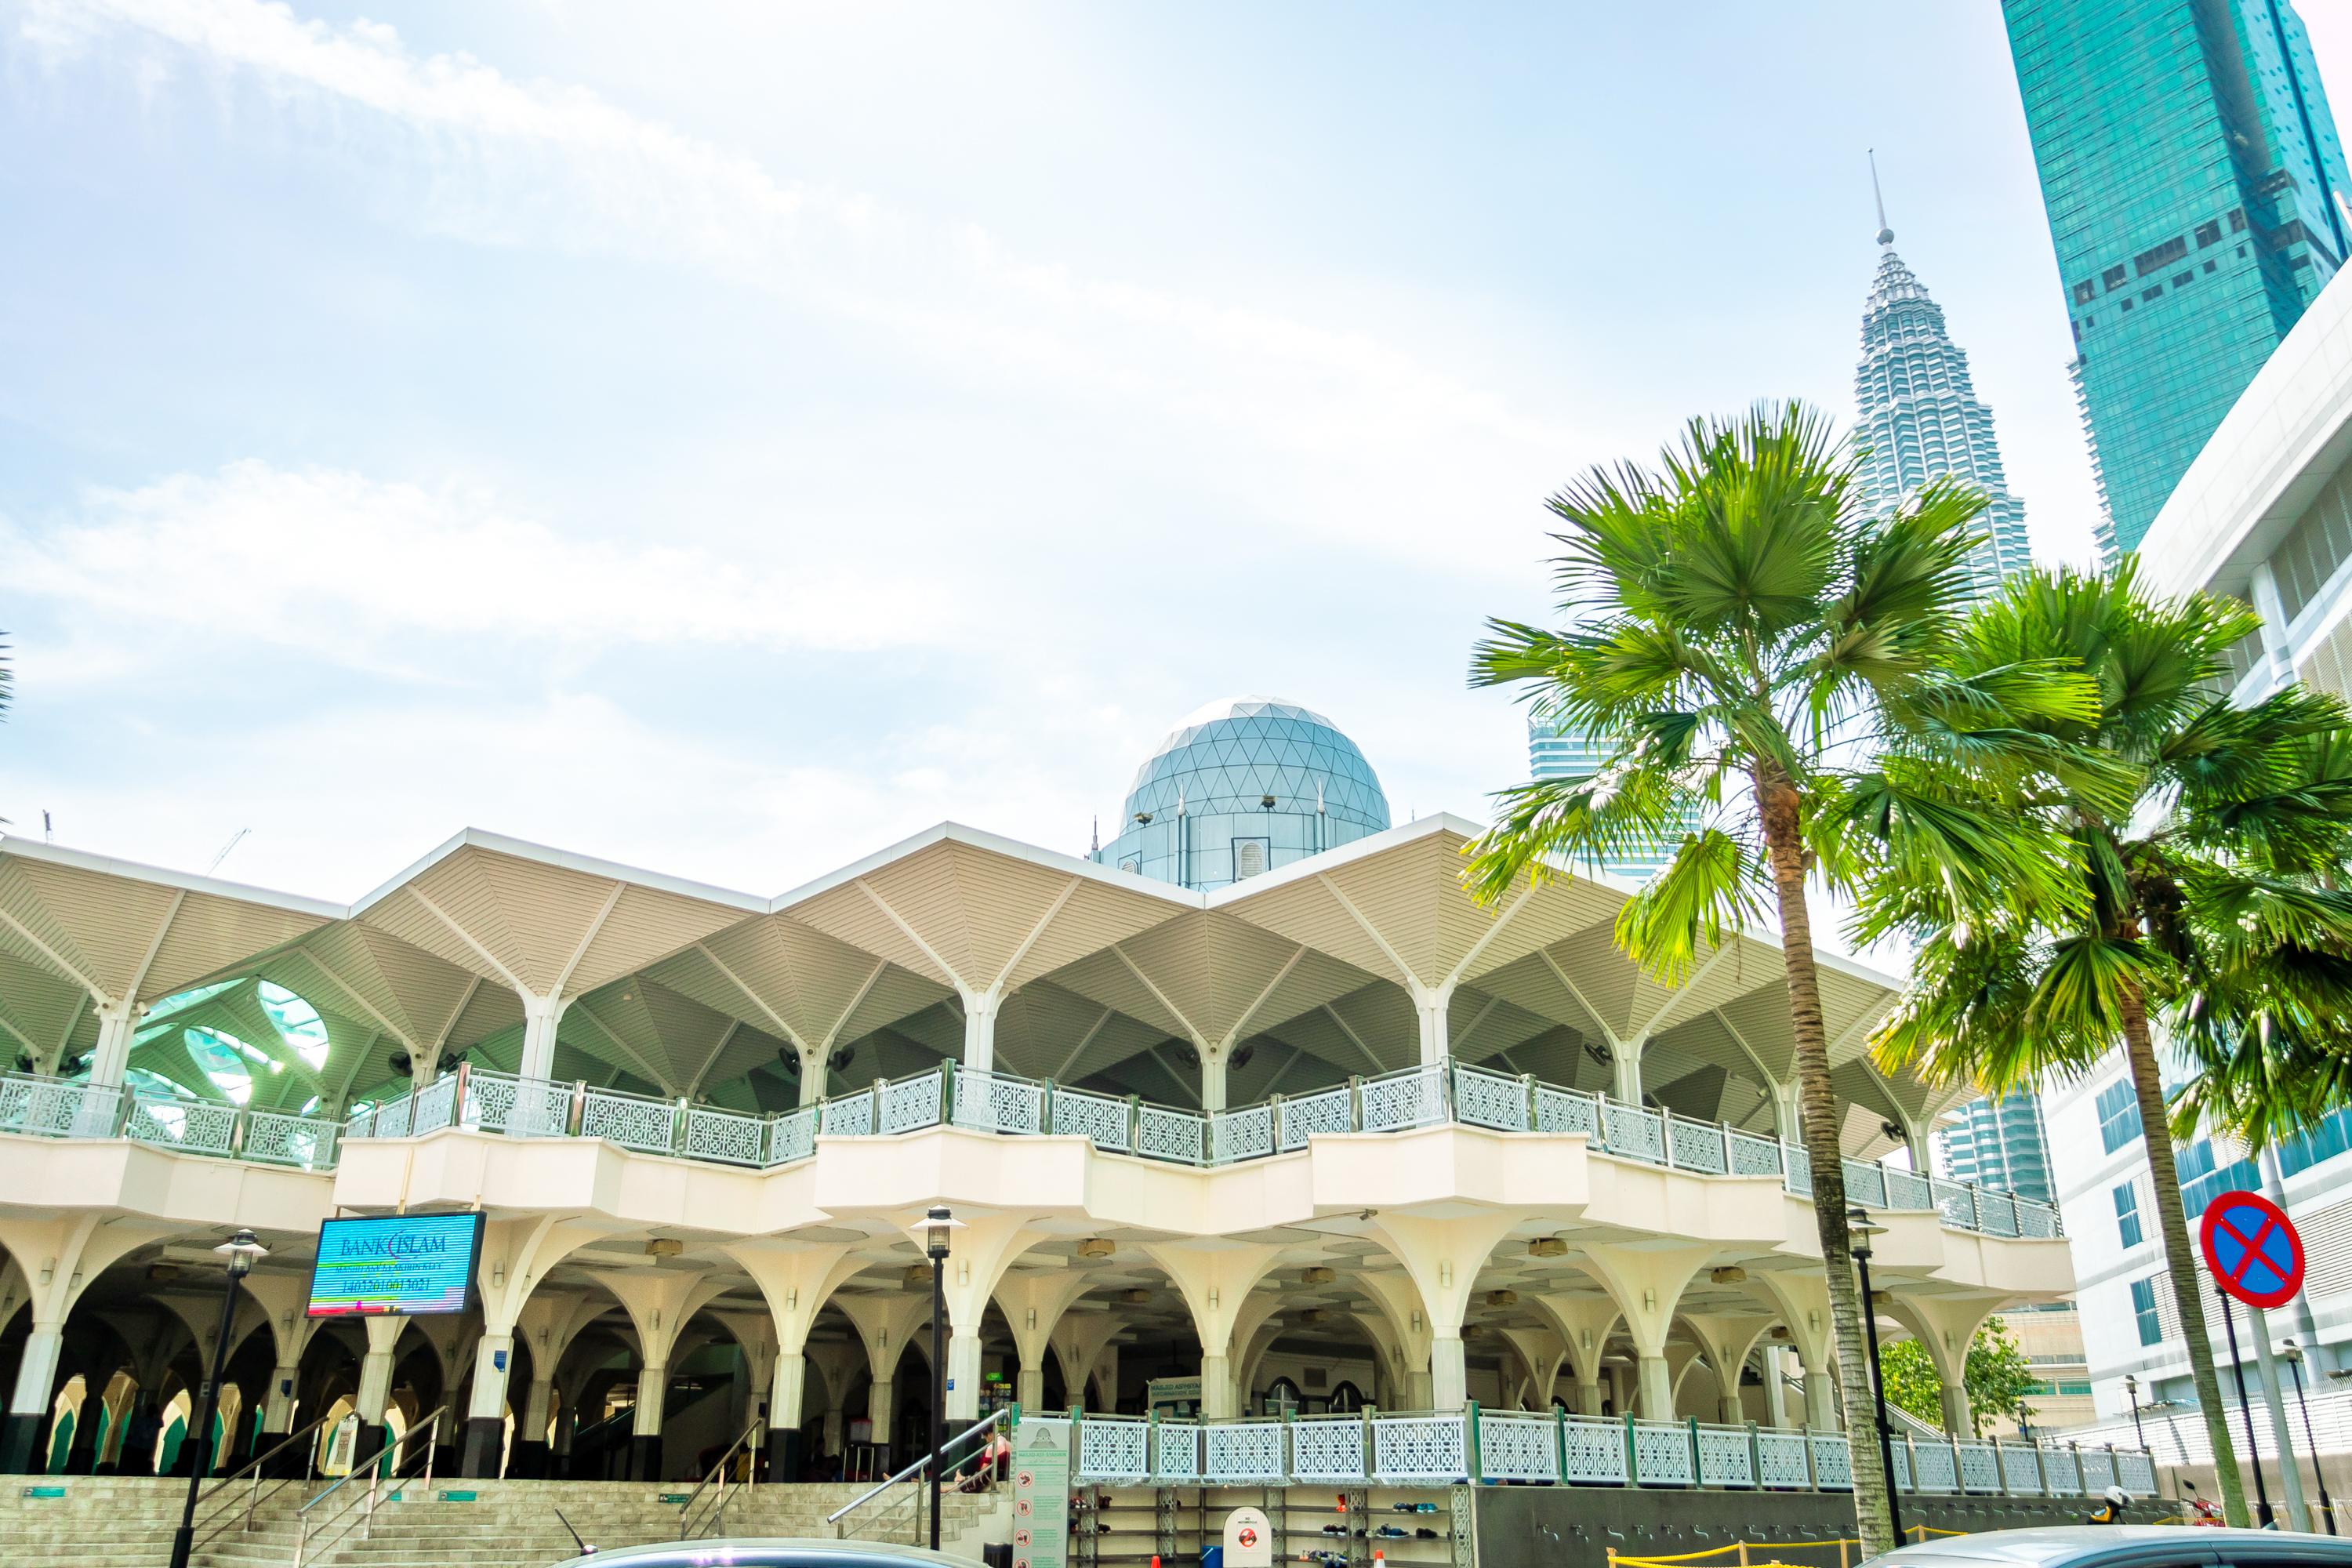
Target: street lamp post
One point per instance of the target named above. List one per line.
(240, 1251)
(2131, 1387)
(937, 1227)
(2292, 1354)
(1858, 1224)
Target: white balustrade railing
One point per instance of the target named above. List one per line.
(1726, 1457)
(998, 1102)
(1243, 1453)
(1113, 1448)
(1325, 1110)
(1934, 1468)
(985, 1101)
(1328, 1449)
(1516, 1445)
(1661, 1454)
(1396, 1101)
(1104, 1121)
(277, 1139)
(1593, 1451)
(1423, 1449)
(1782, 1462)
(1175, 1453)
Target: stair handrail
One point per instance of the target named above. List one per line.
(251, 1471)
(357, 1511)
(922, 1462)
(687, 1526)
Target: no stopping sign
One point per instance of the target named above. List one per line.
(2253, 1250)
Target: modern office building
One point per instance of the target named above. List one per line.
(1997, 1143)
(1335, 1122)
(1554, 753)
(1917, 418)
(2264, 515)
(2195, 185)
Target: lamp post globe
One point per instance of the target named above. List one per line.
(239, 1252)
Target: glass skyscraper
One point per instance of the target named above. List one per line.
(2194, 180)
(1917, 418)
(1998, 1143)
(1555, 754)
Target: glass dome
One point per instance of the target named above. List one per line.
(1240, 787)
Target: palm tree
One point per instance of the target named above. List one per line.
(2208, 844)
(1745, 640)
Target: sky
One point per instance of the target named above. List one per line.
(728, 439)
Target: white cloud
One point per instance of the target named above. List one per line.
(1369, 441)
(355, 569)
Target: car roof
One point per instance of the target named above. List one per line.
(812, 1550)
(2050, 1544)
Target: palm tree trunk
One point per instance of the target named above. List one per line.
(2180, 1261)
(1778, 804)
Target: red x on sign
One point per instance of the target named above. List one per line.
(2253, 1250)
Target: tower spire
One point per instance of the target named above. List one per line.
(1885, 235)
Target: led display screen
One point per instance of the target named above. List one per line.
(416, 1264)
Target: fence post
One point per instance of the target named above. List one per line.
(677, 1126)
(1755, 1471)
(1690, 1424)
(1812, 1476)
(1911, 1459)
(1473, 1471)
(1045, 1107)
(1274, 1124)
(1633, 1454)
(1559, 1441)
(1725, 1128)
(576, 1115)
(1135, 1124)
(875, 1115)
(948, 1117)
(465, 1086)
(1355, 1103)
(1444, 1070)
(1527, 1088)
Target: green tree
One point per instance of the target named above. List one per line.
(2209, 841)
(1743, 640)
(1997, 1377)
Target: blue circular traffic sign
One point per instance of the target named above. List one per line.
(2253, 1250)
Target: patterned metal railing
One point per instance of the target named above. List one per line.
(1005, 1103)
(1552, 1447)
(55, 1108)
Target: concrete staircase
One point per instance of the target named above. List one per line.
(127, 1522)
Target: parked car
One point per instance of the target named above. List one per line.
(2124, 1546)
(737, 1553)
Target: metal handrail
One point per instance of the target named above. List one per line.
(922, 1462)
(378, 1473)
(687, 1527)
(252, 1468)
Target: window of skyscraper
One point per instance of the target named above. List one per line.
(2208, 233)
(2083, 292)
(2143, 1310)
(2330, 1138)
(2115, 278)
(2155, 260)
(2203, 1179)
(2147, 294)
(2127, 1197)
(2118, 1114)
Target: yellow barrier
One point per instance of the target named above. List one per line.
(1743, 1548)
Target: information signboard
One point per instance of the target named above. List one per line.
(415, 1265)
(1040, 1494)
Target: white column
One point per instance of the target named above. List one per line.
(2262, 588)
(979, 1029)
(536, 1405)
(1788, 1117)
(653, 1384)
(786, 1392)
(375, 1368)
(1430, 1002)
(1217, 1399)
(877, 1411)
(118, 1023)
(1449, 1374)
(37, 1370)
(1656, 1389)
(540, 1016)
(963, 1376)
(1625, 1071)
(1821, 1412)
(1213, 1079)
(493, 1354)
(278, 1408)
(1776, 1403)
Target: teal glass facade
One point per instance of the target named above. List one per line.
(2190, 169)
(1555, 754)
(1241, 787)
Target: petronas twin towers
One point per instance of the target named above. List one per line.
(1918, 416)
